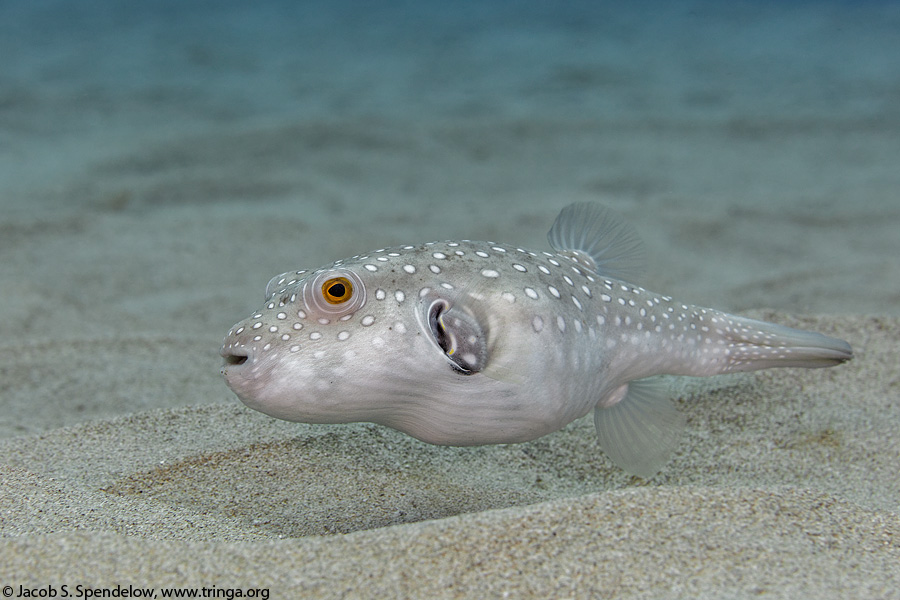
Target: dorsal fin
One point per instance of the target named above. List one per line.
(596, 235)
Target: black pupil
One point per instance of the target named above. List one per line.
(337, 290)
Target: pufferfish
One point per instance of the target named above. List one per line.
(468, 343)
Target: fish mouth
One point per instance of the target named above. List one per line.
(234, 357)
(238, 370)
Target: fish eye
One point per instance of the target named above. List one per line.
(337, 290)
(333, 293)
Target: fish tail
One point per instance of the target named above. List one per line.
(755, 345)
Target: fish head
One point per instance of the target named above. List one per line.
(359, 340)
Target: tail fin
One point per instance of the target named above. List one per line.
(760, 345)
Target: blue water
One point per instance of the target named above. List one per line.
(761, 135)
(215, 61)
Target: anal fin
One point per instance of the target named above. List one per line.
(640, 427)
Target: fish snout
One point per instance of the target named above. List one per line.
(238, 355)
(241, 368)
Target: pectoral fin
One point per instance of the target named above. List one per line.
(460, 327)
(460, 335)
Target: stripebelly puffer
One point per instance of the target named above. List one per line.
(466, 343)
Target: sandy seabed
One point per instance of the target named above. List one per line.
(786, 485)
(152, 179)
